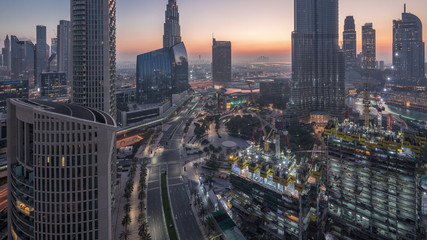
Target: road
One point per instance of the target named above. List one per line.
(171, 160)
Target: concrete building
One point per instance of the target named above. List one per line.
(318, 64)
(368, 47)
(349, 44)
(408, 51)
(221, 62)
(172, 29)
(59, 171)
(374, 183)
(93, 24)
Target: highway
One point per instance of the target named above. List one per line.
(171, 160)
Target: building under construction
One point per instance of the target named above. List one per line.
(278, 194)
(373, 183)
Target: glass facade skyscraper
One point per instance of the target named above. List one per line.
(349, 44)
(22, 58)
(42, 53)
(63, 48)
(172, 29)
(221, 62)
(93, 50)
(408, 50)
(162, 73)
(368, 47)
(318, 70)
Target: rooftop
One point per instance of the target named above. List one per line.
(71, 110)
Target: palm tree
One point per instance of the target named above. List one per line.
(124, 235)
(126, 221)
(126, 207)
(143, 231)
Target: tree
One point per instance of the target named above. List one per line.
(126, 207)
(126, 220)
(124, 235)
(143, 231)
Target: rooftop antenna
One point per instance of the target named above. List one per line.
(404, 8)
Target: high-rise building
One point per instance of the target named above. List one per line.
(172, 30)
(53, 85)
(21, 58)
(349, 44)
(318, 64)
(408, 50)
(53, 59)
(42, 53)
(221, 62)
(161, 73)
(374, 183)
(12, 89)
(64, 48)
(93, 50)
(6, 53)
(59, 172)
(368, 47)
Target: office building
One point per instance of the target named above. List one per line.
(408, 51)
(59, 172)
(42, 53)
(64, 48)
(221, 62)
(276, 92)
(374, 183)
(12, 89)
(368, 47)
(349, 44)
(53, 59)
(21, 58)
(93, 50)
(162, 73)
(53, 85)
(6, 53)
(318, 64)
(172, 29)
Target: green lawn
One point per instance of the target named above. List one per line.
(167, 209)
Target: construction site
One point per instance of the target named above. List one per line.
(279, 193)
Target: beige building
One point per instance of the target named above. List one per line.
(59, 162)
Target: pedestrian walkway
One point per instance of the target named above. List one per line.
(134, 211)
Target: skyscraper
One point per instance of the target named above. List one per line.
(221, 62)
(368, 47)
(6, 53)
(21, 58)
(42, 53)
(172, 30)
(53, 59)
(318, 69)
(408, 50)
(58, 171)
(93, 50)
(161, 73)
(349, 44)
(63, 48)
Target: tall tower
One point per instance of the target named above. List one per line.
(408, 50)
(42, 53)
(349, 45)
(368, 47)
(6, 53)
(172, 30)
(318, 69)
(58, 171)
(64, 48)
(221, 62)
(93, 51)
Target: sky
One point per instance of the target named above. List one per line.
(255, 27)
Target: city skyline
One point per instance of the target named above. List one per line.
(255, 30)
